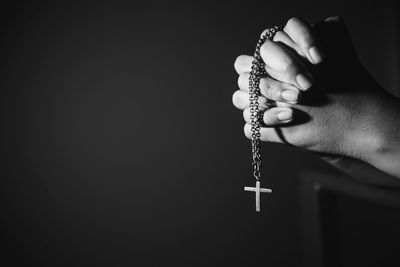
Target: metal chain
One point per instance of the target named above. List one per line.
(257, 71)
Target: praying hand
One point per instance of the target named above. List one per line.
(325, 100)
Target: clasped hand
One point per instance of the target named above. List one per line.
(325, 100)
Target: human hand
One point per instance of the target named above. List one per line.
(287, 78)
(340, 115)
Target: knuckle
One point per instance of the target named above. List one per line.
(286, 64)
(267, 88)
(264, 86)
(270, 89)
(275, 93)
(263, 102)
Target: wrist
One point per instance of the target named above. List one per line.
(378, 133)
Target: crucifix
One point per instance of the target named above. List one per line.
(258, 190)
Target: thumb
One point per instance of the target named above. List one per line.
(335, 19)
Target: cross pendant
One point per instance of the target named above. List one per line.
(258, 190)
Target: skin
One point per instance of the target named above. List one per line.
(326, 101)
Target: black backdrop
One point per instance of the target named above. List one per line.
(120, 144)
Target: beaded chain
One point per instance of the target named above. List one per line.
(257, 71)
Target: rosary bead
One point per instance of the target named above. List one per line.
(257, 71)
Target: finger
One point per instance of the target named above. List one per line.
(240, 100)
(283, 104)
(272, 89)
(268, 134)
(282, 37)
(301, 33)
(278, 91)
(284, 66)
(243, 81)
(243, 64)
(272, 116)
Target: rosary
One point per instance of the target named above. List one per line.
(257, 71)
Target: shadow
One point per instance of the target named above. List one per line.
(314, 97)
(300, 117)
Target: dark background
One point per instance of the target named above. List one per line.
(121, 146)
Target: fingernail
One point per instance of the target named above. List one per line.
(304, 81)
(290, 95)
(285, 115)
(315, 55)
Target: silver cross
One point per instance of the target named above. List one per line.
(258, 190)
